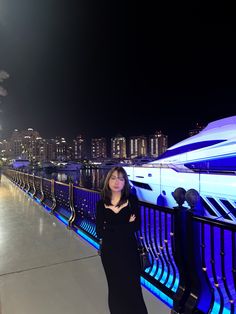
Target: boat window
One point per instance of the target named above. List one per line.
(141, 185)
(229, 206)
(218, 208)
(207, 207)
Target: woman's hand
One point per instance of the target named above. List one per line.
(132, 218)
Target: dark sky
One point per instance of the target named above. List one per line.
(105, 67)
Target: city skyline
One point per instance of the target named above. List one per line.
(107, 68)
(107, 137)
(29, 144)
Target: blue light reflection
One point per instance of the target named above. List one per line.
(87, 238)
(157, 293)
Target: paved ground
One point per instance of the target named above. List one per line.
(46, 268)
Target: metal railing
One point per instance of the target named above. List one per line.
(193, 258)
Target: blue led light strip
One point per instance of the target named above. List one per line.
(216, 309)
(87, 238)
(156, 292)
(145, 283)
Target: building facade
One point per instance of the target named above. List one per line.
(98, 148)
(138, 146)
(79, 151)
(158, 144)
(118, 147)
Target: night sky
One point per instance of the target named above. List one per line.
(106, 67)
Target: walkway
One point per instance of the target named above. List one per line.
(46, 268)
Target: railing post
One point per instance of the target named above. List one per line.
(22, 180)
(24, 183)
(18, 178)
(34, 188)
(179, 251)
(193, 286)
(201, 293)
(180, 257)
(54, 204)
(71, 202)
(41, 190)
(27, 183)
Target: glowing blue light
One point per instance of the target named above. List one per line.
(89, 227)
(168, 284)
(87, 238)
(157, 293)
(37, 200)
(62, 219)
(46, 207)
(216, 309)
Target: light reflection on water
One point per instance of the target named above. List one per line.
(87, 178)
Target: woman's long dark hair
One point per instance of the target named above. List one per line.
(106, 191)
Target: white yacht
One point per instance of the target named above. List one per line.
(205, 162)
(142, 160)
(109, 163)
(46, 164)
(69, 166)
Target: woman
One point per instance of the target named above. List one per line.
(117, 219)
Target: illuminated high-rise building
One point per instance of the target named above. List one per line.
(4, 149)
(61, 149)
(118, 147)
(137, 146)
(50, 149)
(158, 144)
(99, 148)
(79, 148)
(24, 144)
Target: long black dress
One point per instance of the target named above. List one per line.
(120, 258)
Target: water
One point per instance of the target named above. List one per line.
(89, 178)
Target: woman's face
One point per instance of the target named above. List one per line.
(116, 182)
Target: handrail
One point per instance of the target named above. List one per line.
(193, 257)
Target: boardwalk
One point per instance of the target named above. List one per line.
(46, 268)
